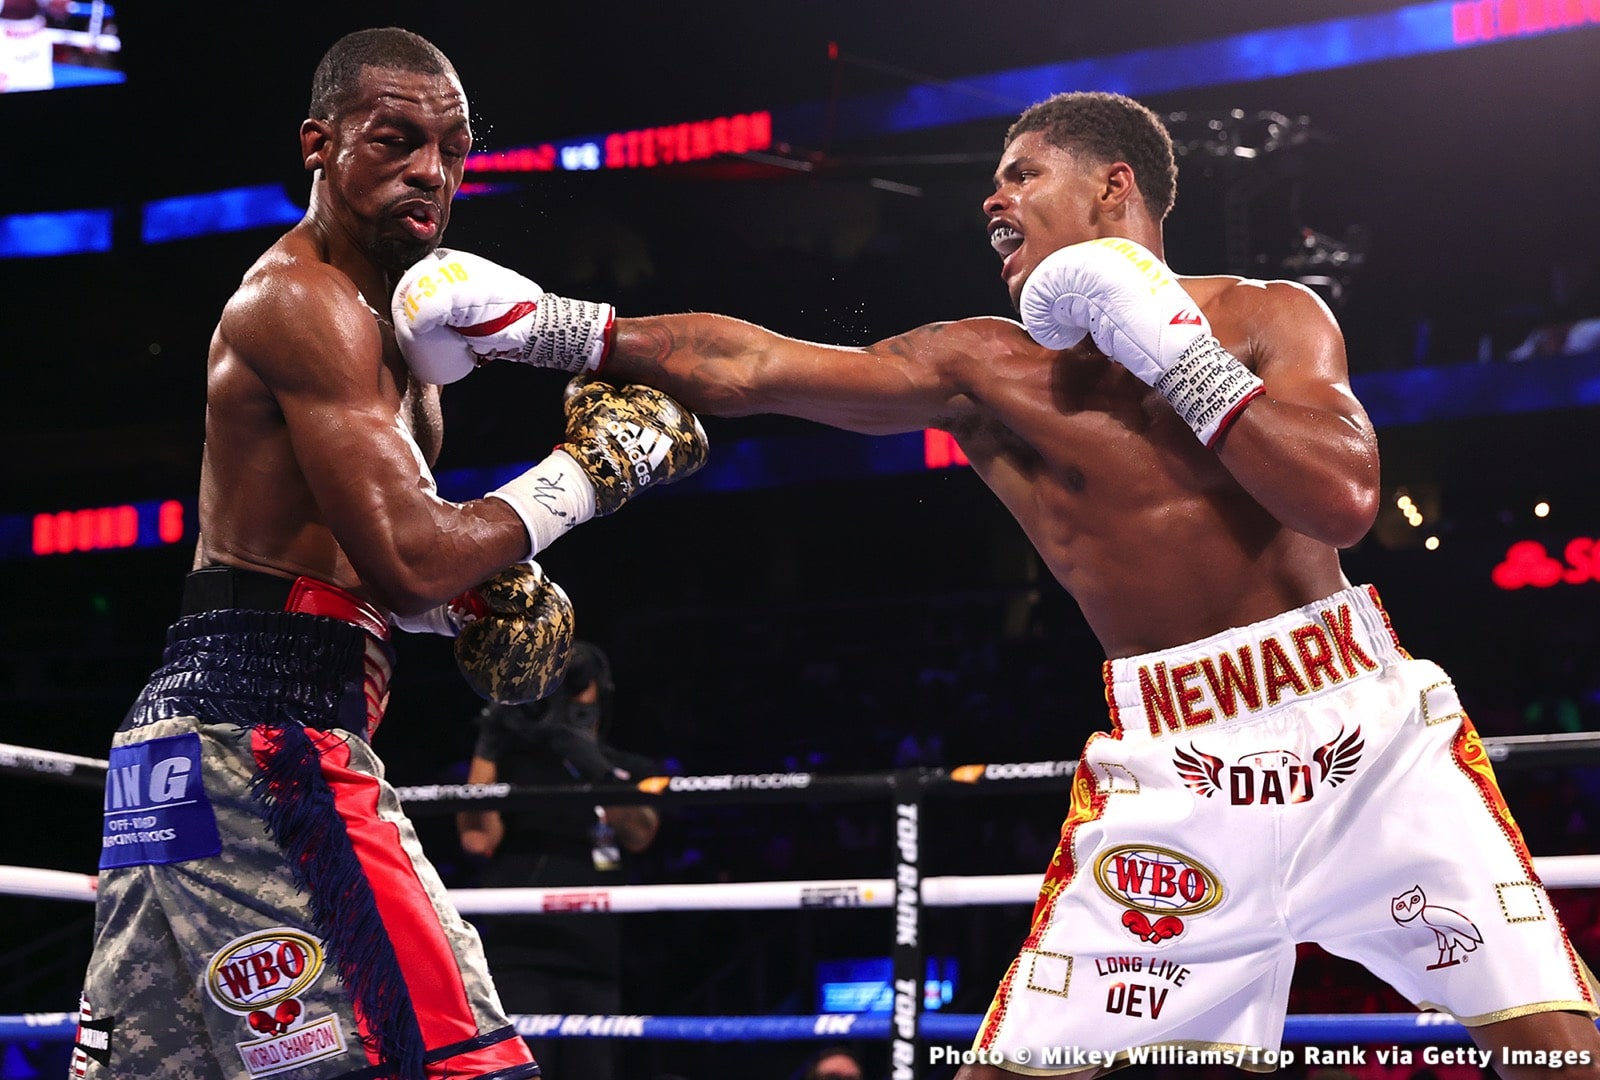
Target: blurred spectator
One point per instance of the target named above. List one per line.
(833, 1063)
(566, 963)
(1559, 339)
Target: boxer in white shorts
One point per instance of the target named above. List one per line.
(1297, 779)
(1186, 456)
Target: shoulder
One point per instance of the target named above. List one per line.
(494, 723)
(983, 338)
(1260, 318)
(1259, 301)
(290, 308)
(497, 717)
(1280, 329)
(287, 291)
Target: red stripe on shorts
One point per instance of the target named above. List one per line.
(1473, 760)
(1088, 803)
(428, 964)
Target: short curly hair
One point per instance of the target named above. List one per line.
(338, 78)
(1107, 128)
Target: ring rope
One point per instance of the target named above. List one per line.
(1555, 871)
(1566, 748)
(1312, 1028)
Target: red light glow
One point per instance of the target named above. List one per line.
(109, 528)
(678, 143)
(104, 529)
(169, 521)
(1528, 563)
(939, 450)
(1473, 21)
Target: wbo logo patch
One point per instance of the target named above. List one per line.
(259, 971)
(258, 976)
(1160, 882)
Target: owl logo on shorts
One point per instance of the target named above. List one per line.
(1452, 931)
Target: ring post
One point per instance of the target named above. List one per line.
(906, 1046)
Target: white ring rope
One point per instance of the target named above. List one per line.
(1556, 871)
(50, 762)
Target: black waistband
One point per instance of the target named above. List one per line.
(217, 587)
(229, 588)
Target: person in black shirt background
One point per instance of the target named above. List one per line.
(568, 963)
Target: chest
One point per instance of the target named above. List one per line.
(419, 404)
(1086, 429)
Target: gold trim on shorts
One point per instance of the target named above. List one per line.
(1520, 1010)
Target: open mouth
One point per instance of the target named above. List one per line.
(1005, 240)
(420, 219)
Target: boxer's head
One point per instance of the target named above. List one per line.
(1101, 129)
(1078, 167)
(388, 134)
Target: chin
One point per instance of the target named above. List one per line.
(400, 254)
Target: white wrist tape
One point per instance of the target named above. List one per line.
(569, 335)
(435, 620)
(552, 497)
(1208, 386)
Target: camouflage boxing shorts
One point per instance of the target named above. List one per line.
(264, 907)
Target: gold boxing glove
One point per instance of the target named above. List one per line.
(516, 635)
(626, 438)
(513, 634)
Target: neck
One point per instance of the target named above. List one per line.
(342, 250)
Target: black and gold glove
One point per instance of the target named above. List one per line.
(629, 437)
(515, 635)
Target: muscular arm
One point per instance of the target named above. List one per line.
(1305, 450)
(303, 332)
(725, 367)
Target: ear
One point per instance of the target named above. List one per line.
(316, 139)
(1118, 188)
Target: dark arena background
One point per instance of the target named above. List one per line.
(815, 603)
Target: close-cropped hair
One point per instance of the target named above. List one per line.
(338, 78)
(1106, 128)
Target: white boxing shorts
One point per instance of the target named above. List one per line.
(1298, 779)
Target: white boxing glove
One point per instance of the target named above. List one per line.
(1124, 297)
(454, 311)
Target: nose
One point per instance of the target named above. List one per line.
(995, 203)
(426, 168)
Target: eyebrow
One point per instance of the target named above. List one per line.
(384, 114)
(1010, 167)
